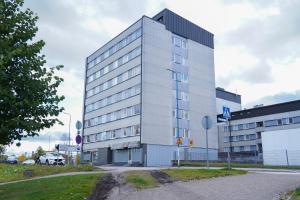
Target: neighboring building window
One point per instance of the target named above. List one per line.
(136, 129)
(185, 133)
(226, 138)
(240, 127)
(252, 136)
(88, 138)
(179, 42)
(296, 120)
(270, 123)
(242, 148)
(241, 137)
(251, 125)
(252, 147)
(259, 124)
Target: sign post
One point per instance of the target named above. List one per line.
(206, 124)
(78, 138)
(227, 117)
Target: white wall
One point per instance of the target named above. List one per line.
(232, 105)
(277, 143)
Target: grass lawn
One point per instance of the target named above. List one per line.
(195, 174)
(64, 187)
(140, 179)
(235, 165)
(15, 172)
(296, 195)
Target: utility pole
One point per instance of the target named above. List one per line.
(69, 134)
(177, 116)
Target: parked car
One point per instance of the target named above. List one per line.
(12, 160)
(52, 159)
(28, 162)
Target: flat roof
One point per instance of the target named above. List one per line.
(229, 96)
(265, 110)
(185, 28)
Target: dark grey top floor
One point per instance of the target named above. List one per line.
(229, 96)
(265, 110)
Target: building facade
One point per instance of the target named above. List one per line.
(228, 99)
(244, 134)
(130, 105)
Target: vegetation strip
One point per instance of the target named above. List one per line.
(10, 172)
(65, 187)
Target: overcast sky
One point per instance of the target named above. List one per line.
(257, 50)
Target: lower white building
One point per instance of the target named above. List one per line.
(281, 147)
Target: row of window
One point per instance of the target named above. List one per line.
(182, 77)
(130, 38)
(182, 114)
(239, 138)
(114, 134)
(125, 94)
(283, 121)
(113, 116)
(114, 81)
(267, 123)
(179, 42)
(183, 96)
(241, 148)
(185, 133)
(117, 63)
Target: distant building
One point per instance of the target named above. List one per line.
(247, 126)
(130, 96)
(227, 99)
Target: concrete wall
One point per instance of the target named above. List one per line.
(156, 124)
(202, 92)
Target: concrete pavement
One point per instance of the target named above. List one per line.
(254, 186)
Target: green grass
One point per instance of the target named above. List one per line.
(196, 174)
(235, 165)
(296, 195)
(140, 179)
(15, 172)
(64, 187)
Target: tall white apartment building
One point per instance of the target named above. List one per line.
(130, 93)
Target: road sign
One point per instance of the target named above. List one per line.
(78, 139)
(78, 125)
(226, 112)
(206, 122)
(191, 142)
(78, 148)
(69, 148)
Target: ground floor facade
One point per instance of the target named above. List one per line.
(146, 155)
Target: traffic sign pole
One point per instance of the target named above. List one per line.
(206, 124)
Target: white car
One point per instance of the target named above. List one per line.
(28, 162)
(12, 159)
(52, 159)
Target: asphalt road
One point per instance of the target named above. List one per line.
(254, 186)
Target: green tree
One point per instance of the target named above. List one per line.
(39, 152)
(28, 89)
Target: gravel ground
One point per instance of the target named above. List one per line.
(254, 186)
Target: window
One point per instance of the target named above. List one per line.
(285, 121)
(113, 134)
(296, 120)
(259, 124)
(252, 136)
(177, 58)
(226, 138)
(185, 133)
(128, 131)
(136, 109)
(241, 137)
(269, 123)
(251, 125)
(252, 147)
(136, 130)
(242, 148)
(88, 138)
(240, 127)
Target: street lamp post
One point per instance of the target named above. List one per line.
(69, 134)
(177, 115)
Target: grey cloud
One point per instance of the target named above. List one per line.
(272, 38)
(260, 73)
(277, 98)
